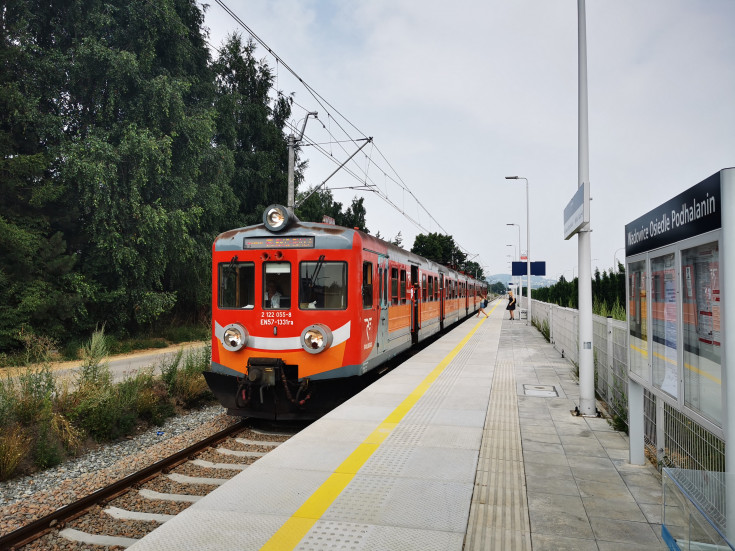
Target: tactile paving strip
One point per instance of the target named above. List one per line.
(499, 512)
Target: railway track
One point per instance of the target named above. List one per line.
(119, 514)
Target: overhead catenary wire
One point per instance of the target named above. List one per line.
(366, 181)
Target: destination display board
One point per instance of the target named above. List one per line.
(281, 242)
(538, 268)
(692, 212)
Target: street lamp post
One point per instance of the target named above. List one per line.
(519, 243)
(615, 259)
(528, 247)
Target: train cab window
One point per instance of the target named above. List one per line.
(277, 285)
(236, 285)
(367, 285)
(394, 285)
(402, 289)
(323, 285)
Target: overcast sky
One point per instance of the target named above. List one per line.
(458, 95)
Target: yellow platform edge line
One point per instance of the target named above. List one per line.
(297, 526)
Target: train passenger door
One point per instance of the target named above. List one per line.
(415, 293)
(442, 300)
(383, 301)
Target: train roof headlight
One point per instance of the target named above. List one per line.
(276, 218)
(234, 337)
(316, 338)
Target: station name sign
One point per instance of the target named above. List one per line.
(577, 211)
(693, 212)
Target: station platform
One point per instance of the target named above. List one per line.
(470, 444)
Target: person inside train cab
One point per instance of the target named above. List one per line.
(272, 296)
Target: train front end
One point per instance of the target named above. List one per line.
(281, 318)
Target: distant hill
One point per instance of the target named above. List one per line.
(536, 281)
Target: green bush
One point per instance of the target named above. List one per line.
(104, 415)
(33, 387)
(14, 445)
(47, 450)
(51, 423)
(184, 379)
(188, 333)
(8, 400)
(95, 369)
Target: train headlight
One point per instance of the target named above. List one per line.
(276, 218)
(234, 337)
(316, 338)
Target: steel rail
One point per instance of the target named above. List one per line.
(39, 527)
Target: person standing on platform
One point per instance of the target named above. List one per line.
(511, 304)
(483, 305)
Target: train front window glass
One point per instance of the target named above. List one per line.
(663, 355)
(637, 318)
(277, 285)
(323, 285)
(701, 303)
(236, 285)
(367, 285)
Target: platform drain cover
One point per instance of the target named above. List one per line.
(543, 391)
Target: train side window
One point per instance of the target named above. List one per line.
(384, 303)
(236, 285)
(402, 290)
(323, 285)
(430, 290)
(367, 285)
(276, 285)
(424, 295)
(394, 285)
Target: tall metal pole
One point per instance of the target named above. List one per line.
(291, 162)
(292, 141)
(587, 404)
(519, 244)
(528, 248)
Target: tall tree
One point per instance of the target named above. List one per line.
(439, 248)
(251, 125)
(38, 290)
(321, 203)
(138, 130)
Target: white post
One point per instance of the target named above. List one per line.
(727, 323)
(635, 423)
(528, 254)
(610, 360)
(586, 356)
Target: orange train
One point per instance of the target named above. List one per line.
(302, 311)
